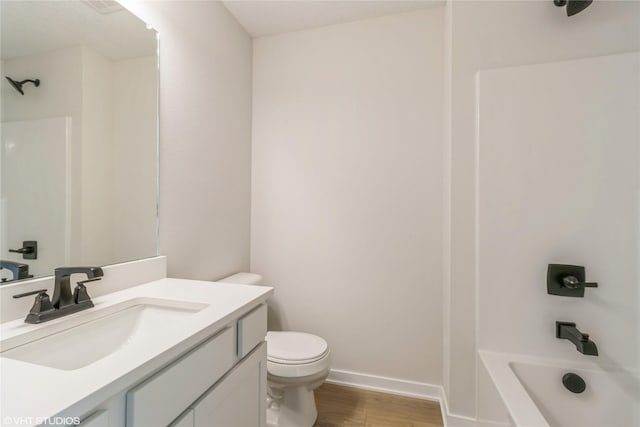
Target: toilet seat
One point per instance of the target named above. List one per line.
(296, 354)
(295, 348)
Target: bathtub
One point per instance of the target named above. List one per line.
(534, 395)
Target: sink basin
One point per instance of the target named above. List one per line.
(84, 343)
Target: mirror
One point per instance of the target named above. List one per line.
(79, 128)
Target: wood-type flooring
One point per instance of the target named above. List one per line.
(340, 406)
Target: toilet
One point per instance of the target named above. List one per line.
(297, 364)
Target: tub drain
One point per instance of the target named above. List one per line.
(574, 383)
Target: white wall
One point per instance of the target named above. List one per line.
(119, 158)
(135, 113)
(490, 35)
(346, 196)
(205, 136)
(97, 164)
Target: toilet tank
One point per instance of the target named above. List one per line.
(243, 279)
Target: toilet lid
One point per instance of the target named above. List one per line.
(295, 347)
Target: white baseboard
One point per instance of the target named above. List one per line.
(385, 385)
(459, 421)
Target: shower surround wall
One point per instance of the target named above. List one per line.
(488, 35)
(347, 192)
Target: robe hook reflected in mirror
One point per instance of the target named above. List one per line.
(18, 85)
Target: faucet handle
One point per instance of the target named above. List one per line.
(80, 293)
(26, 294)
(572, 282)
(41, 304)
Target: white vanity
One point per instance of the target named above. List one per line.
(169, 352)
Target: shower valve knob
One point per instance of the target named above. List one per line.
(29, 249)
(567, 280)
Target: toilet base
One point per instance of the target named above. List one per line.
(297, 409)
(291, 402)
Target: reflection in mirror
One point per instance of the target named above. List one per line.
(79, 136)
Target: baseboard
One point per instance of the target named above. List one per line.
(453, 420)
(385, 385)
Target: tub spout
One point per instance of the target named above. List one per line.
(568, 331)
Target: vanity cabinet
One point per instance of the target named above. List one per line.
(164, 396)
(221, 382)
(239, 399)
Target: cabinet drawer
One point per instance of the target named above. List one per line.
(161, 398)
(252, 329)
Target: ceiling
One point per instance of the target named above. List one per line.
(268, 17)
(34, 27)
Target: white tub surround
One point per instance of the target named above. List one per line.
(32, 390)
(533, 393)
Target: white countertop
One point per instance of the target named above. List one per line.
(29, 391)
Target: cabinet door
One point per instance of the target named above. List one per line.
(239, 398)
(164, 396)
(184, 420)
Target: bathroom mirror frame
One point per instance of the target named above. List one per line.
(79, 248)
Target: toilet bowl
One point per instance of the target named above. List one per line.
(297, 364)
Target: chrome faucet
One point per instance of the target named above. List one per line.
(64, 301)
(568, 331)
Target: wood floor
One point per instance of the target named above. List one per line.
(340, 406)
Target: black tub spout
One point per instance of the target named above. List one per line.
(568, 331)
